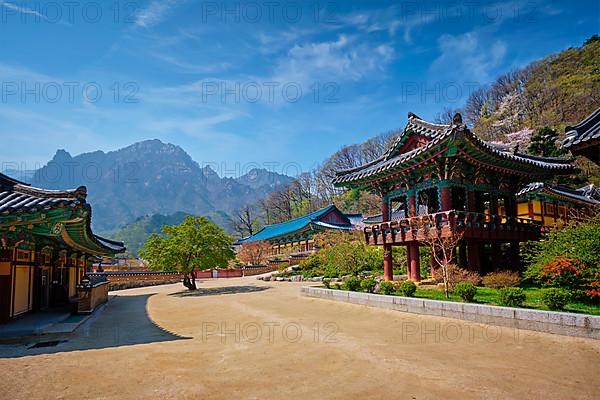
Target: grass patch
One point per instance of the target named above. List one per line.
(490, 296)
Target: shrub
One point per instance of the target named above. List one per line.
(368, 285)
(581, 239)
(571, 274)
(337, 286)
(386, 287)
(327, 283)
(511, 297)
(501, 279)
(341, 253)
(407, 288)
(352, 284)
(456, 275)
(466, 291)
(556, 299)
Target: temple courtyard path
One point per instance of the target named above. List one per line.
(248, 339)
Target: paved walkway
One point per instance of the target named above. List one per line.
(243, 338)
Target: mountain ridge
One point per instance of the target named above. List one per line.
(151, 177)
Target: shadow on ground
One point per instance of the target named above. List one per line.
(219, 291)
(123, 322)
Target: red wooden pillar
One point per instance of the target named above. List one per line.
(462, 255)
(385, 210)
(493, 204)
(414, 262)
(388, 267)
(471, 201)
(408, 258)
(433, 265)
(412, 205)
(446, 198)
(474, 256)
(530, 209)
(388, 270)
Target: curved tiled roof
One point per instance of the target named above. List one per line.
(583, 194)
(294, 225)
(20, 198)
(17, 198)
(583, 132)
(438, 133)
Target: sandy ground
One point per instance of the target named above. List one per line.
(248, 339)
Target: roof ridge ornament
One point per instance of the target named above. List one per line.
(457, 119)
(412, 115)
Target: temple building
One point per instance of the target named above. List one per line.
(583, 139)
(447, 175)
(46, 246)
(295, 237)
(557, 205)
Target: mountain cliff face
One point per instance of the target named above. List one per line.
(150, 177)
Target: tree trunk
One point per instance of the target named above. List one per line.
(193, 275)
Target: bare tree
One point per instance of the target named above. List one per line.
(254, 253)
(245, 221)
(443, 243)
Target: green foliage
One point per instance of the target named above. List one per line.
(341, 253)
(501, 279)
(569, 259)
(545, 142)
(556, 299)
(352, 284)
(466, 291)
(511, 297)
(327, 283)
(368, 285)
(386, 287)
(407, 288)
(135, 234)
(196, 243)
(358, 201)
(581, 241)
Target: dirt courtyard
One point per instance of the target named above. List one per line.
(249, 339)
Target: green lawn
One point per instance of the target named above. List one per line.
(490, 296)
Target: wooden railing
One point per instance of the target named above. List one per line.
(446, 223)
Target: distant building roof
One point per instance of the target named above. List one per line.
(587, 194)
(584, 138)
(314, 221)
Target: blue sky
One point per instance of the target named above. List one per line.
(223, 80)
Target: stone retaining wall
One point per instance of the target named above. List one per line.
(559, 323)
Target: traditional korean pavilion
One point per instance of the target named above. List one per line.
(46, 246)
(296, 235)
(448, 175)
(583, 139)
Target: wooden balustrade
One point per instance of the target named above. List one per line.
(474, 225)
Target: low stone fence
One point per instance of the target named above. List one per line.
(133, 279)
(561, 323)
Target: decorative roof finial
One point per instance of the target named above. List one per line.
(412, 115)
(81, 193)
(457, 119)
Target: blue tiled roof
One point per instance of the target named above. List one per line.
(294, 225)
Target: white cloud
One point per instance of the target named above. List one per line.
(194, 68)
(467, 58)
(389, 20)
(156, 11)
(343, 59)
